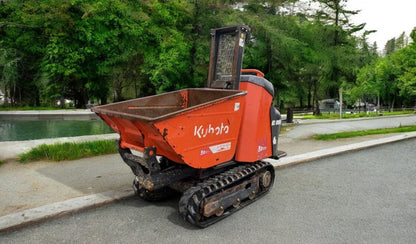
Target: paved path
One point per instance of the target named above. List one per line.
(314, 127)
(299, 139)
(76, 114)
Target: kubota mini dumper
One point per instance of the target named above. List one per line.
(207, 143)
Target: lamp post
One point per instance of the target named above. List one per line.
(340, 103)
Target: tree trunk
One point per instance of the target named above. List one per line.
(119, 95)
(392, 103)
(6, 98)
(309, 96)
(317, 111)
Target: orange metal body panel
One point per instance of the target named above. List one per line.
(254, 142)
(206, 137)
(198, 127)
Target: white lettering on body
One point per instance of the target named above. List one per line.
(203, 131)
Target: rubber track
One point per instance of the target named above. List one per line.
(191, 199)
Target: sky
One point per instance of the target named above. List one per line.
(389, 18)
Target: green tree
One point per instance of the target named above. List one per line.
(9, 73)
(405, 60)
(366, 87)
(391, 78)
(113, 50)
(277, 48)
(342, 49)
(205, 15)
(390, 47)
(112, 33)
(166, 56)
(20, 45)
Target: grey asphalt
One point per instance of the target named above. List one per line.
(40, 190)
(366, 196)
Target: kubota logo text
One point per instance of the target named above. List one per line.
(202, 131)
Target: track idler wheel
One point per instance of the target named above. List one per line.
(152, 196)
(266, 179)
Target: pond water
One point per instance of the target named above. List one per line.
(20, 130)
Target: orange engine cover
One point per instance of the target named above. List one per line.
(255, 138)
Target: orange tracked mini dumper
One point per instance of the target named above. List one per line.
(207, 143)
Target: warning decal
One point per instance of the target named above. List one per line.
(216, 149)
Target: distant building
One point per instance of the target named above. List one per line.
(329, 105)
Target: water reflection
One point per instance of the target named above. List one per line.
(19, 130)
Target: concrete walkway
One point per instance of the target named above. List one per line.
(37, 191)
(75, 114)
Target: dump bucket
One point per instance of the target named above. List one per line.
(197, 126)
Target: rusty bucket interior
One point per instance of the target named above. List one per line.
(159, 107)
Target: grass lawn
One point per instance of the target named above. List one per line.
(339, 135)
(69, 151)
(351, 116)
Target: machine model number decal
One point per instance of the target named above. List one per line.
(276, 122)
(216, 149)
(202, 131)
